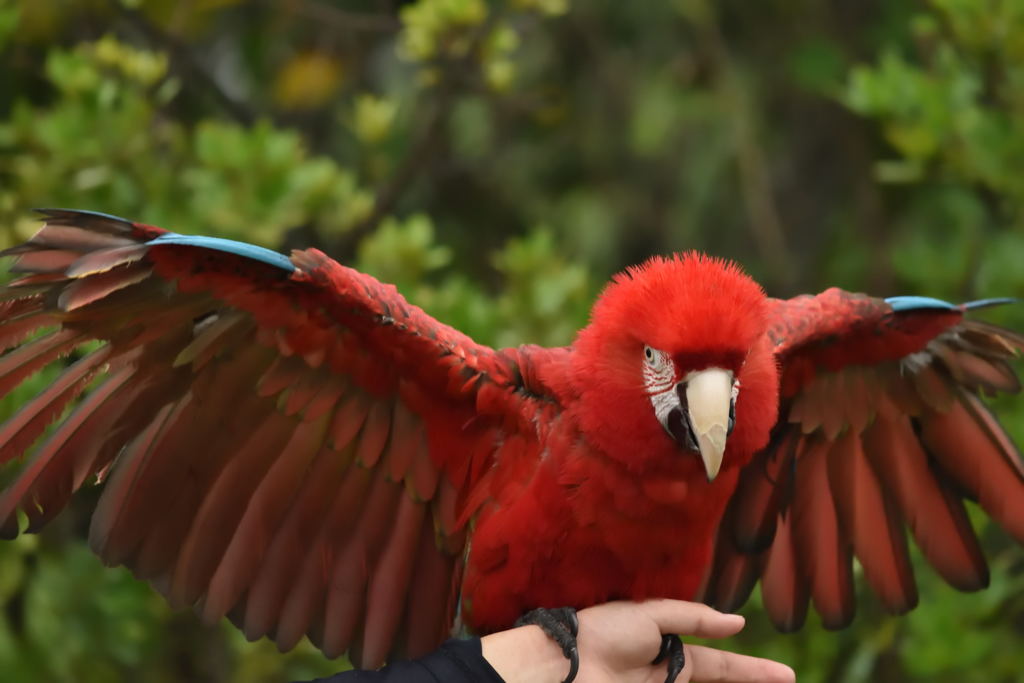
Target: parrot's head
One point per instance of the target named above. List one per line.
(675, 366)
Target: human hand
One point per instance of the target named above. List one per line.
(618, 641)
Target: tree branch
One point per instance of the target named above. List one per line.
(185, 64)
(341, 19)
(422, 150)
(752, 162)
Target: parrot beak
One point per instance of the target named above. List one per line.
(699, 414)
(708, 401)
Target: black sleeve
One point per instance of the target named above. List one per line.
(457, 661)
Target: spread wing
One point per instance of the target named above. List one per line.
(881, 430)
(283, 441)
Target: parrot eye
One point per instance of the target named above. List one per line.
(652, 357)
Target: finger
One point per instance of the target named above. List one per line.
(692, 619)
(717, 666)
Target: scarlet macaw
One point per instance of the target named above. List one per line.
(288, 442)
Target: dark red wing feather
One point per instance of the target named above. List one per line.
(823, 550)
(287, 546)
(762, 493)
(869, 521)
(985, 466)
(388, 590)
(784, 585)
(936, 518)
(735, 575)
(882, 403)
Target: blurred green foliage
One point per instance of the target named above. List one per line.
(498, 160)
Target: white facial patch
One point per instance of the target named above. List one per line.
(660, 382)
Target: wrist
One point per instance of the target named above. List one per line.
(525, 655)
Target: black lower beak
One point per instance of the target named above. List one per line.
(679, 428)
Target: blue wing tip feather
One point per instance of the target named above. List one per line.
(985, 303)
(926, 303)
(919, 303)
(250, 251)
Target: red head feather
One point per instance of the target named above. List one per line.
(703, 312)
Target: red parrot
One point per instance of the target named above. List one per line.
(288, 442)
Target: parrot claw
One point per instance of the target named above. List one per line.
(561, 625)
(672, 650)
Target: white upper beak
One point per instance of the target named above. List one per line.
(709, 398)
